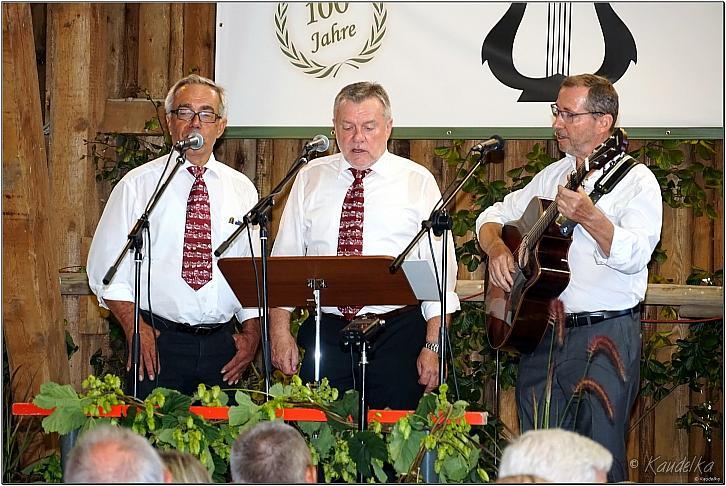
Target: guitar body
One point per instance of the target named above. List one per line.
(517, 320)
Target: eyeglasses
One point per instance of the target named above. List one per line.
(187, 114)
(568, 116)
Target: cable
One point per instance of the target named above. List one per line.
(447, 344)
(151, 313)
(257, 278)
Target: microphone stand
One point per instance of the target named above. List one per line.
(440, 222)
(259, 214)
(136, 242)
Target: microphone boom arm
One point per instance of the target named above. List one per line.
(263, 206)
(438, 220)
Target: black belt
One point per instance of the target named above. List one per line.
(590, 318)
(198, 330)
(384, 316)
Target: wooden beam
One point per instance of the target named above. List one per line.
(129, 116)
(33, 326)
(473, 291)
(657, 294)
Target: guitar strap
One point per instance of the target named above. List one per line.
(607, 181)
(612, 176)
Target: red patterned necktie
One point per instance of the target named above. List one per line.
(350, 234)
(197, 258)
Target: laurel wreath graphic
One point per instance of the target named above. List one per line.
(309, 65)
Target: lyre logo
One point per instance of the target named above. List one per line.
(498, 46)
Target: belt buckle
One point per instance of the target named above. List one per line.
(197, 330)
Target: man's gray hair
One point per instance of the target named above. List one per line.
(270, 452)
(196, 79)
(555, 455)
(601, 94)
(359, 92)
(107, 454)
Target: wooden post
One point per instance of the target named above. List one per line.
(671, 443)
(154, 48)
(77, 90)
(199, 38)
(33, 326)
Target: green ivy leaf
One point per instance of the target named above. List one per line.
(380, 474)
(323, 441)
(426, 406)
(403, 451)
(55, 395)
(246, 412)
(365, 446)
(68, 414)
(453, 469)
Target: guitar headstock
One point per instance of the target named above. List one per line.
(615, 145)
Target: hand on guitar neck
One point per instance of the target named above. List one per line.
(578, 207)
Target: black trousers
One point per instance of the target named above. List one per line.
(570, 361)
(392, 375)
(186, 360)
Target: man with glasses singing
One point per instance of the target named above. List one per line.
(611, 247)
(187, 326)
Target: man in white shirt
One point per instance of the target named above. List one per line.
(611, 247)
(187, 328)
(393, 196)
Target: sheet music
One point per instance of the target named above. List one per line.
(422, 279)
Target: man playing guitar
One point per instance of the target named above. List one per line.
(608, 257)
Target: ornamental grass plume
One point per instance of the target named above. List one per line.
(556, 319)
(590, 385)
(604, 343)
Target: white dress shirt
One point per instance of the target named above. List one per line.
(231, 195)
(635, 208)
(399, 195)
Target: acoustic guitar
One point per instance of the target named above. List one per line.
(517, 320)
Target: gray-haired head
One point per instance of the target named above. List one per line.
(107, 454)
(270, 452)
(601, 95)
(557, 456)
(196, 79)
(359, 92)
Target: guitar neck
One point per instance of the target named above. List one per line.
(550, 214)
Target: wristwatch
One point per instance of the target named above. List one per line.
(432, 346)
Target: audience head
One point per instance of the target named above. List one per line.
(557, 456)
(520, 479)
(184, 467)
(271, 452)
(107, 454)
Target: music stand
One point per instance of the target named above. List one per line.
(350, 280)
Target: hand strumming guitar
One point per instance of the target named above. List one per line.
(501, 262)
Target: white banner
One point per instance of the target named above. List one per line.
(453, 64)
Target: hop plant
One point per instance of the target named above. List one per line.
(102, 394)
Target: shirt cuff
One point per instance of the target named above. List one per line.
(619, 250)
(247, 313)
(433, 309)
(118, 292)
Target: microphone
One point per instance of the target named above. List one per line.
(319, 143)
(195, 141)
(494, 143)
